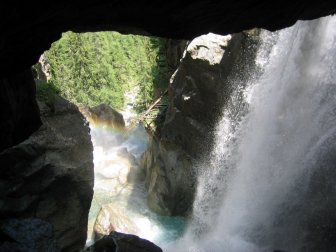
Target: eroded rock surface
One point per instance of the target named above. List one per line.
(105, 116)
(169, 178)
(112, 218)
(199, 89)
(50, 175)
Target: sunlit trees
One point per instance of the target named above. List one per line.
(94, 68)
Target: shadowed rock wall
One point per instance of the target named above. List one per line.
(50, 175)
(199, 88)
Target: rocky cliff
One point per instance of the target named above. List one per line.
(103, 116)
(50, 175)
(199, 88)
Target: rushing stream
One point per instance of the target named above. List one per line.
(271, 182)
(120, 196)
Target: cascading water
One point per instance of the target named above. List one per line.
(120, 196)
(270, 185)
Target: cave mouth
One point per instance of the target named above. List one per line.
(114, 79)
(20, 114)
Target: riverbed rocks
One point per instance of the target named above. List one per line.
(113, 218)
(50, 175)
(105, 116)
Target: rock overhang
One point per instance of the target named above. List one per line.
(29, 28)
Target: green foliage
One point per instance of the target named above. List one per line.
(156, 73)
(94, 68)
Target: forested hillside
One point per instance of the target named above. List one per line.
(94, 68)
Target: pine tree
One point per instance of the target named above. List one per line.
(94, 68)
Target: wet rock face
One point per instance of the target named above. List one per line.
(196, 91)
(170, 180)
(199, 88)
(50, 175)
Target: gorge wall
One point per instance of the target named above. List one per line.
(49, 176)
(199, 88)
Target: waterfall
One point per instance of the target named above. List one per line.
(270, 183)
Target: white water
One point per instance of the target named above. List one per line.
(253, 195)
(119, 185)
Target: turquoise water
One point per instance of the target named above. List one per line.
(173, 228)
(116, 158)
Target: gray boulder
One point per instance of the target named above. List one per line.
(104, 115)
(119, 242)
(50, 175)
(113, 218)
